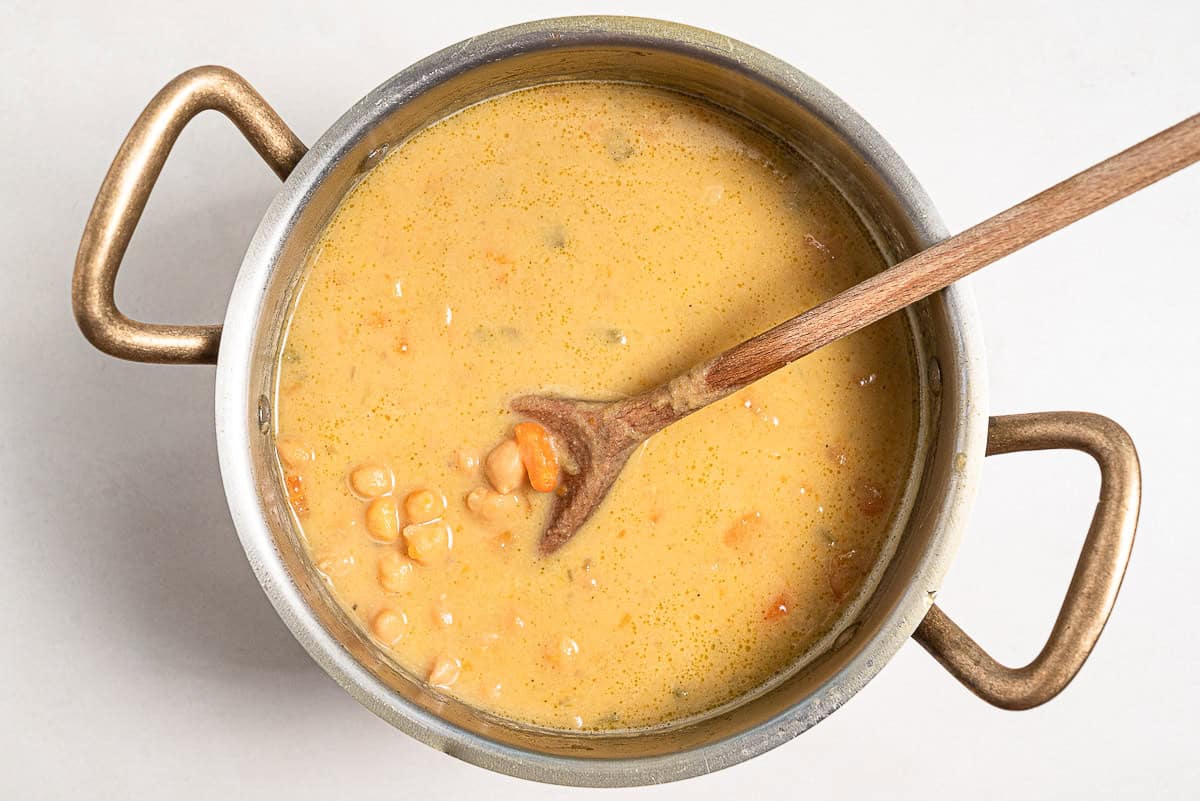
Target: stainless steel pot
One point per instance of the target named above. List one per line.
(956, 432)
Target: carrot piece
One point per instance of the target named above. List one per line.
(780, 606)
(745, 527)
(296, 496)
(538, 456)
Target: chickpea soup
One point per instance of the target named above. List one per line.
(594, 239)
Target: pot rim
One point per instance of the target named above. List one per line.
(234, 416)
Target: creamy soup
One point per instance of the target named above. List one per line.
(595, 240)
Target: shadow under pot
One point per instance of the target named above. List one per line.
(954, 432)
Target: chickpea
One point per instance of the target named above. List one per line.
(390, 625)
(493, 506)
(564, 651)
(445, 672)
(383, 520)
(442, 615)
(394, 571)
(424, 506)
(370, 480)
(477, 498)
(504, 468)
(335, 565)
(466, 460)
(430, 543)
(845, 570)
(294, 453)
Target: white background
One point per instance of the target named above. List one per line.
(138, 657)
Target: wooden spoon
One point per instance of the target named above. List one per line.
(599, 437)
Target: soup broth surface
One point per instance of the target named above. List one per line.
(595, 240)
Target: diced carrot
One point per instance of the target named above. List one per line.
(538, 456)
(744, 528)
(294, 452)
(295, 491)
(778, 608)
(445, 672)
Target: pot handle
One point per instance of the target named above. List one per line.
(122, 198)
(1098, 573)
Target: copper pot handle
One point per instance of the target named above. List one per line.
(1098, 573)
(122, 198)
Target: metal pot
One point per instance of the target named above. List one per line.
(955, 432)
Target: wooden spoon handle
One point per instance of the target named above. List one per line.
(941, 265)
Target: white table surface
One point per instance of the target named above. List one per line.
(140, 658)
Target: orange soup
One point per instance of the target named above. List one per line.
(593, 239)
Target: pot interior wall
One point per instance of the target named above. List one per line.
(776, 107)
